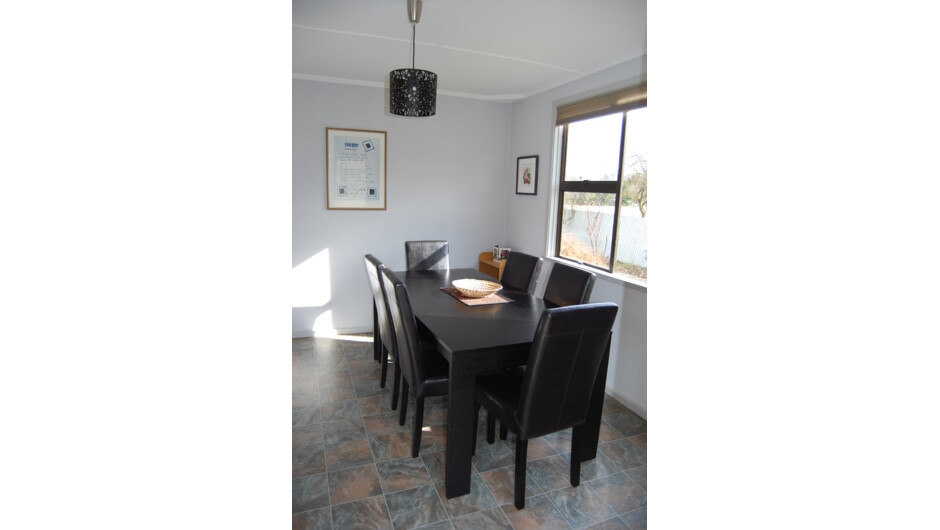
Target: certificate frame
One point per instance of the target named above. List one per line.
(355, 169)
(527, 175)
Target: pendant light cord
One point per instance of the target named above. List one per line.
(413, 46)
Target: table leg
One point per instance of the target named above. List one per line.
(460, 420)
(589, 432)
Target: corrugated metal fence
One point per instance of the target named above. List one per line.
(631, 247)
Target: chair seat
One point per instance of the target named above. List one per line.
(437, 371)
(499, 393)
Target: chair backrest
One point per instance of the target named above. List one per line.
(568, 286)
(427, 255)
(386, 330)
(410, 354)
(521, 272)
(563, 362)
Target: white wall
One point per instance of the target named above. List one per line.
(446, 179)
(528, 219)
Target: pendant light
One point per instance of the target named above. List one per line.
(413, 92)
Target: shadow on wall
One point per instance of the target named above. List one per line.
(311, 296)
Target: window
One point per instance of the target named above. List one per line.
(601, 217)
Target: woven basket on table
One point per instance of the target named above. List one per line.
(476, 288)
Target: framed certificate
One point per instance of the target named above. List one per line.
(355, 169)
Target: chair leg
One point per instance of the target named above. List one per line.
(490, 428)
(376, 337)
(404, 402)
(575, 457)
(419, 422)
(384, 367)
(503, 431)
(395, 386)
(476, 419)
(521, 448)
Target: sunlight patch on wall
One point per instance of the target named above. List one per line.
(310, 281)
(323, 325)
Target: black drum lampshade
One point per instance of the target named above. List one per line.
(413, 92)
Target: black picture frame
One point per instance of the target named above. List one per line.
(527, 175)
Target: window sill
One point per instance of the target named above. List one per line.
(603, 275)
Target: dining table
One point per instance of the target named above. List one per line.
(476, 340)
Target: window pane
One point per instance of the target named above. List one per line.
(587, 227)
(593, 151)
(631, 227)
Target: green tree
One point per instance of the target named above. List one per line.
(634, 188)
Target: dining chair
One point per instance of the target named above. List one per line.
(521, 272)
(427, 255)
(386, 331)
(553, 391)
(424, 371)
(568, 286)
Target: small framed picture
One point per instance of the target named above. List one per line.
(527, 175)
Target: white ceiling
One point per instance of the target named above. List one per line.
(484, 49)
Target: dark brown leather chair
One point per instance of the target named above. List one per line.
(521, 272)
(568, 286)
(423, 369)
(386, 330)
(427, 255)
(553, 391)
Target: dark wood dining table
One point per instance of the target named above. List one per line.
(478, 339)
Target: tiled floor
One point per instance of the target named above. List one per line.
(352, 465)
